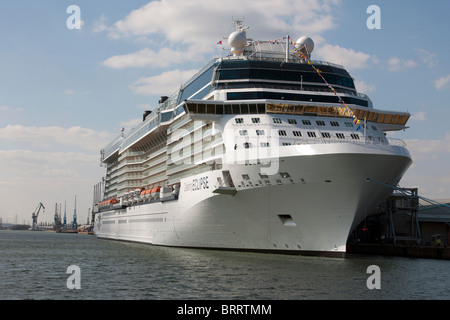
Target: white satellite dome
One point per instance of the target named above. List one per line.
(305, 45)
(237, 41)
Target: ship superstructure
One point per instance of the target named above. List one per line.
(254, 152)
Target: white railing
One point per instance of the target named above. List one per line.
(362, 140)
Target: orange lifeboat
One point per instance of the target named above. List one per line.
(108, 202)
(155, 192)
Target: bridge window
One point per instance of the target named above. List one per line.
(334, 123)
(277, 120)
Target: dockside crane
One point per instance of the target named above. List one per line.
(35, 215)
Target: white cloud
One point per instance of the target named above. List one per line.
(100, 24)
(419, 116)
(149, 58)
(130, 124)
(442, 83)
(169, 26)
(428, 58)
(29, 177)
(173, 19)
(10, 109)
(363, 87)
(349, 58)
(48, 164)
(166, 82)
(430, 147)
(397, 64)
(430, 171)
(46, 137)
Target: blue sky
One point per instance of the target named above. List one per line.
(64, 94)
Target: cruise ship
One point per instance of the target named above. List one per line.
(262, 150)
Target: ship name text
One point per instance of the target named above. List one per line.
(197, 184)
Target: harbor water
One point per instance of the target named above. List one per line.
(39, 266)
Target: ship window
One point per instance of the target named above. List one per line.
(374, 128)
(285, 175)
(311, 134)
(320, 123)
(277, 120)
(198, 87)
(236, 109)
(247, 145)
(282, 133)
(239, 120)
(349, 124)
(264, 176)
(306, 122)
(264, 144)
(243, 132)
(228, 109)
(252, 95)
(297, 133)
(256, 120)
(166, 116)
(292, 121)
(253, 108)
(260, 132)
(219, 109)
(286, 144)
(245, 177)
(340, 136)
(334, 123)
(326, 135)
(355, 136)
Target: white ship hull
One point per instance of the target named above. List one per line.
(310, 212)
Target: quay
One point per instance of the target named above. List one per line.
(400, 250)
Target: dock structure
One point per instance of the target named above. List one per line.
(405, 224)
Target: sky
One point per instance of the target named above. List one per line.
(67, 89)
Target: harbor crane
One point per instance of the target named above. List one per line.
(35, 215)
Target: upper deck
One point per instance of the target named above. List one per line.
(260, 77)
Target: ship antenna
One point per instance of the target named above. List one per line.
(238, 25)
